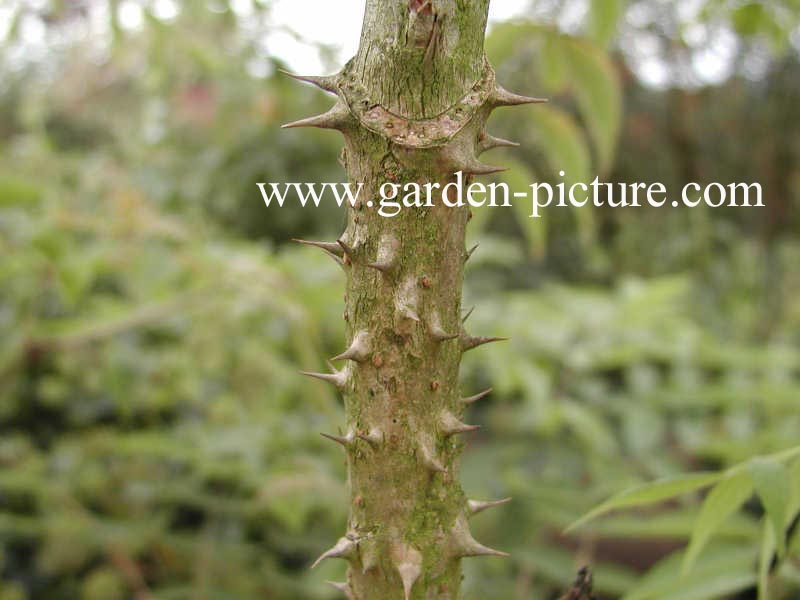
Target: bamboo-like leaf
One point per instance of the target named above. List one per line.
(518, 178)
(765, 559)
(722, 501)
(651, 493)
(598, 92)
(603, 19)
(722, 572)
(771, 480)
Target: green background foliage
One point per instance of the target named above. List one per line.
(156, 441)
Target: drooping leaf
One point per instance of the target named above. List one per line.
(721, 572)
(724, 499)
(603, 19)
(598, 92)
(651, 493)
(765, 559)
(771, 480)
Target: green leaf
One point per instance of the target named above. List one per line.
(518, 178)
(552, 64)
(565, 148)
(604, 15)
(771, 481)
(765, 560)
(598, 92)
(722, 501)
(722, 572)
(650, 493)
(562, 142)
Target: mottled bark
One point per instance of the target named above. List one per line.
(412, 106)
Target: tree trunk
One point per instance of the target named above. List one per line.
(412, 106)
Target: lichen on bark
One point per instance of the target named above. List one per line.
(412, 106)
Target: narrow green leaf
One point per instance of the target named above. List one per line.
(518, 178)
(721, 572)
(566, 149)
(765, 560)
(604, 15)
(722, 501)
(771, 481)
(552, 64)
(598, 92)
(650, 493)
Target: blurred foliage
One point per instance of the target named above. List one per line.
(155, 439)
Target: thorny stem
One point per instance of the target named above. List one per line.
(412, 105)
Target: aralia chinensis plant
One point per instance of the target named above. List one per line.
(413, 107)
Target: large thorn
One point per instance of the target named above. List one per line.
(406, 312)
(428, 457)
(347, 248)
(344, 548)
(330, 247)
(407, 299)
(449, 424)
(502, 97)
(359, 349)
(387, 254)
(374, 437)
(464, 545)
(476, 167)
(370, 556)
(337, 378)
(346, 440)
(476, 397)
(490, 143)
(469, 342)
(328, 83)
(336, 118)
(476, 506)
(342, 587)
(437, 331)
(408, 562)
(471, 251)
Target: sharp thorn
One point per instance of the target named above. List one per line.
(374, 437)
(438, 334)
(327, 83)
(408, 562)
(359, 349)
(476, 506)
(407, 313)
(348, 250)
(502, 97)
(470, 342)
(338, 378)
(465, 545)
(336, 118)
(382, 267)
(449, 425)
(429, 458)
(478, 168)
(345, 441)
(343, 549)
(476, 397)
(330, 247)
(387, 254)
(470, 252)
(437, 331)
(490, 143)
(370, 558)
